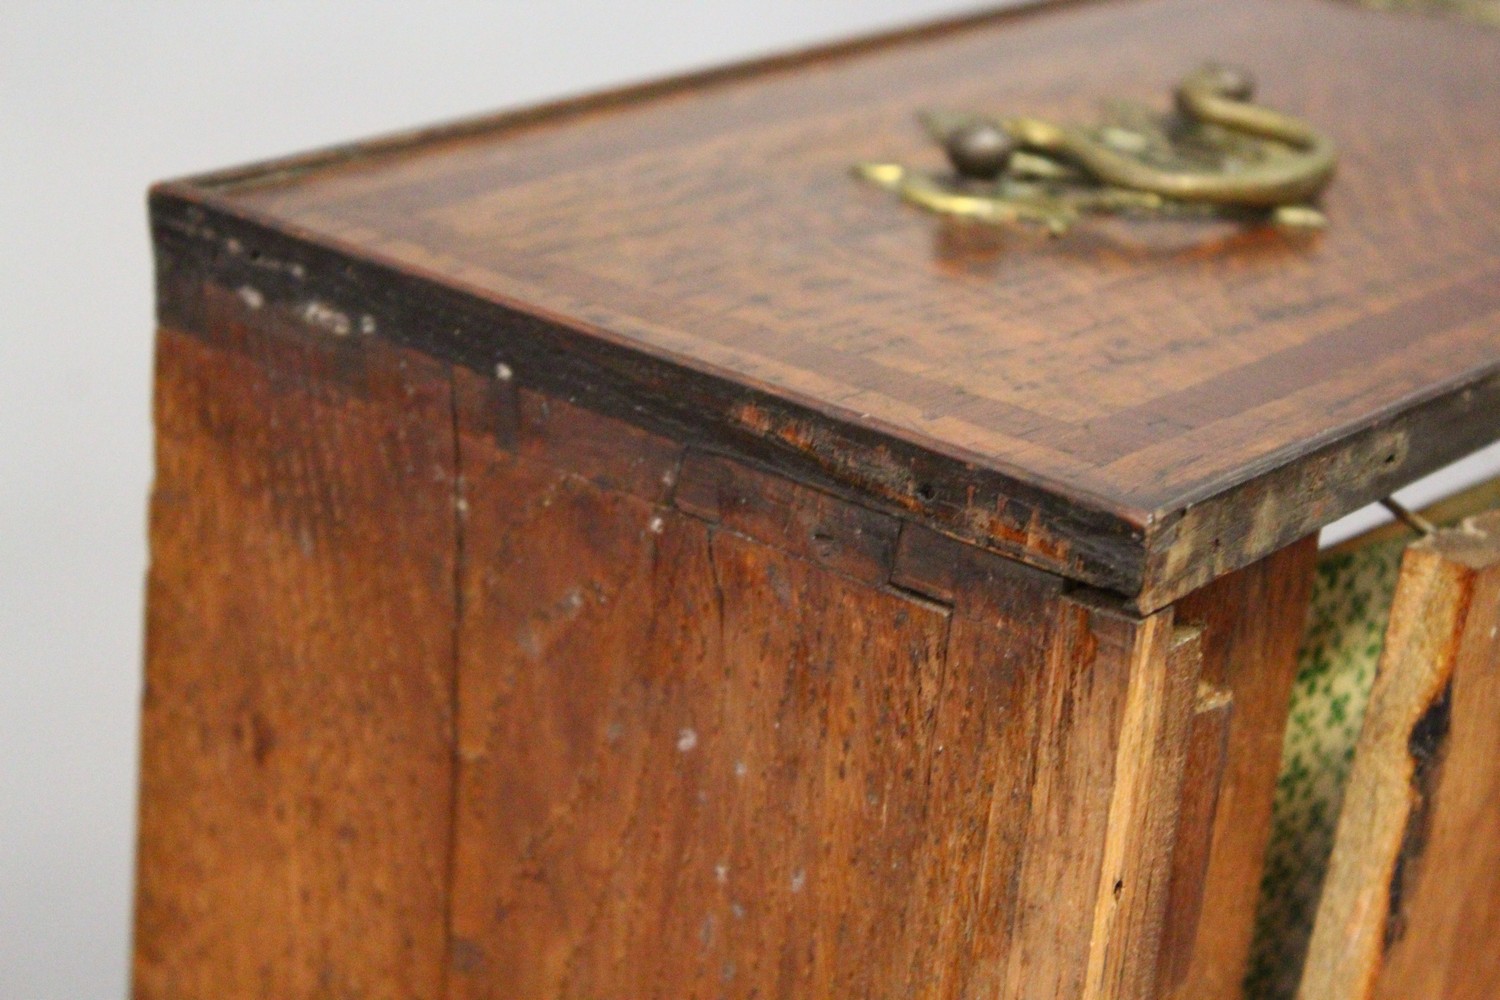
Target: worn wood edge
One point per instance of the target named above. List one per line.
(342, 292)
(1287, 496)
(973, 581)
(1130, 909)
(1475, 543)
(1151, 558)
(1254, 620)
(844, 538)
(278, 169)
(1404, 730)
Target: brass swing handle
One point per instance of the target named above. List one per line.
(1212, 95)
(1221, 156)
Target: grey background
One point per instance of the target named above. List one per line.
(98, 100)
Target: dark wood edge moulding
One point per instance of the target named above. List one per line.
(1149, 557)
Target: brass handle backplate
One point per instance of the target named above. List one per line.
(1217, 155)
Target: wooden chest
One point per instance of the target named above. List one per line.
(609, 550)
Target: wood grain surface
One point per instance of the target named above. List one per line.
(458, 689)
(708, 747)
(296, 776)
(1411, 903)
(1138, 406)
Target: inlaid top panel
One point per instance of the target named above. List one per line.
(1139, 404)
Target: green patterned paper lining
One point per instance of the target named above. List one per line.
(1351, 602)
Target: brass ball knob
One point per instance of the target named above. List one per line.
(1234, 82)
(980, 151)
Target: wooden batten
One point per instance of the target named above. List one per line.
(1411, 904)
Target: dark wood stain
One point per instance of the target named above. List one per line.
(1425, 745)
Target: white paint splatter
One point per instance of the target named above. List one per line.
(799, 879)
(367, 324)
(657, 525)
(687, 739)
(741, 769)
(321, 314)
(252, 297)
(503, 372)
(721, 872)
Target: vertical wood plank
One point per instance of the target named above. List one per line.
(1207, 757)
(1131, 907)
(564, 681)
(959, 929)
(1252, 621)
(1098, 831)
(1411, 903)
(296, 762)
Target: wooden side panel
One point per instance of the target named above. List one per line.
(960, 923)
(718, 733)
(708, 750)
(689, 757)
(296, 770)
(1411, 904)
(1252, 622)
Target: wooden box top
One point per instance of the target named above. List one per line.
(1138, 405)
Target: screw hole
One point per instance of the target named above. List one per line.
(926, 493)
